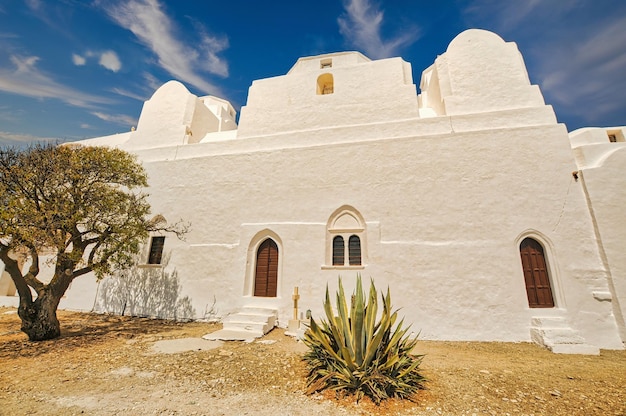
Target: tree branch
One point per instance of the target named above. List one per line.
(179, 228)
(81, 272)
(33, 271)
(11, 267)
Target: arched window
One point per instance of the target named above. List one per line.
(345, 239)
(354, 250)
(536, 274)
(338, 251)
(325, 84)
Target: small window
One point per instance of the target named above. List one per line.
(346, 243)
(156, 250)
(354, 250)
(338, 251)
(326, 63)
(325, 84)
(615, 136)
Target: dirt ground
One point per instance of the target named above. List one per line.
(111, 365)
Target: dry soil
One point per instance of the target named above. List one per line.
(111, 365)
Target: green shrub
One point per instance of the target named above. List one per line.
(352, 353)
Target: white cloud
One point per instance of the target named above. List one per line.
(578, 62)
(27, 80)
(107, 59)
(51, 15)
(153, 82)
(149, 23)
(110, 61)
(34, 5)
(505, 14)
(129, 94)
(22, 140)
(150, 86)
(78, 60)
(587, 75)
(9, 114)
(211, 46)
(361, 27)
(120, 119)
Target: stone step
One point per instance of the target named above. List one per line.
(297, 328)
(552, 336)
(555, 334)
(260, 327)
(248, 323)
(249, 317)
(233, 335)
(549, 322)
(585, 349)
(257, 310)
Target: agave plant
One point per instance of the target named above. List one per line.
(353, 353)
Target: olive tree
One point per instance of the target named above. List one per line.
(83, 208)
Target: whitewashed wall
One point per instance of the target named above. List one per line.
(448, 184)
(602, 166)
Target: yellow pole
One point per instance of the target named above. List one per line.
(295, 298)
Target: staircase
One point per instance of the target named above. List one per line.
(246, 324)
(555, 334)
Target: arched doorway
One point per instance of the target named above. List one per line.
(536, 274)
(266, 272)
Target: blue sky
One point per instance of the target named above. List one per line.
(74, 69)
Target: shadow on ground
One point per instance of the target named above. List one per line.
(82, 333)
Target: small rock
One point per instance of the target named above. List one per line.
(123, 371)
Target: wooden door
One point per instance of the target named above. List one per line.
(266, 274)
(536, 275)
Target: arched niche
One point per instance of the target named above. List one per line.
(325, 84)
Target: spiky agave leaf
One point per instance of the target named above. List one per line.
(354, 353)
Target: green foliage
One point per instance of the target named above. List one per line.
(82, 207)
(69, 200)
(354, 353)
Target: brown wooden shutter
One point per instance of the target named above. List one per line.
(354, 250)
(536, 274)
(339, 251)
(266, 275)
(156, 250)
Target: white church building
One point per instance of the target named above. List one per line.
(487, 220)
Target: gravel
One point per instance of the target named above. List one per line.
(109, 365)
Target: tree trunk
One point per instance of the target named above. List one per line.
(39, 318)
